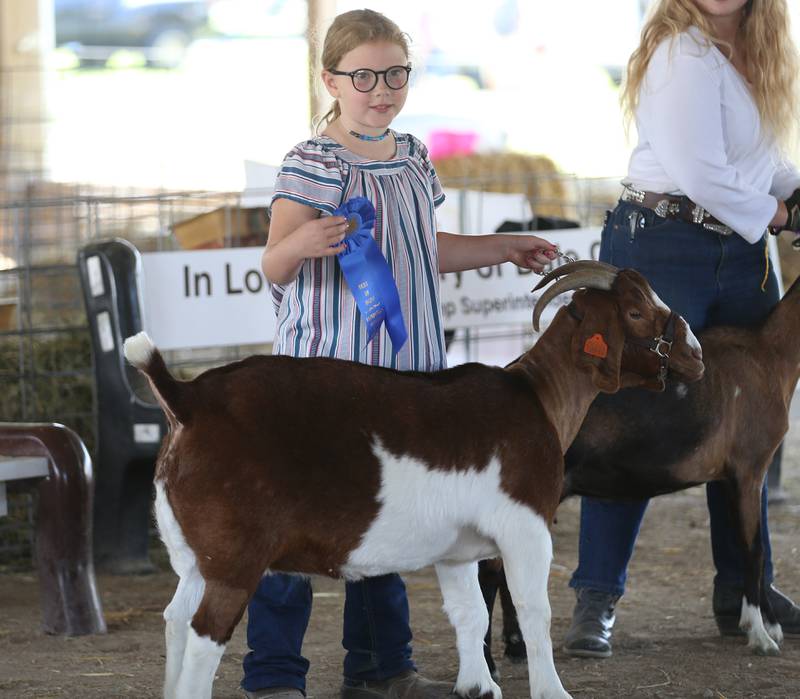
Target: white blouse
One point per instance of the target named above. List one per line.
(700, 135)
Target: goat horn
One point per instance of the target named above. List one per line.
(561, 270)
(596, 278)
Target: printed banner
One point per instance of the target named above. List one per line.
(210, 298)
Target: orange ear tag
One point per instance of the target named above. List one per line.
(596, 346)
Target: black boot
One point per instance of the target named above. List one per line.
(589, 636)
(727, 605)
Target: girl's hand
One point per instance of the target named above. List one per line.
(530, 252)
(320, 237)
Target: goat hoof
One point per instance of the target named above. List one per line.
(766, 649)
(775, 632)
(477, 693)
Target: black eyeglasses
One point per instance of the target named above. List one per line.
(365, 79)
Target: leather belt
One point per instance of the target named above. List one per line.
(674, 207)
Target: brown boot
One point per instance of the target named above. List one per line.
(406, 685)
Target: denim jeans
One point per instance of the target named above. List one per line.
(377, 635)
(710, 279)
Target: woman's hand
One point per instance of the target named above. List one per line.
(530, 252)
(793, 212)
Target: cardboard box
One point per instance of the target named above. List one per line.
(227, 226)
(7, 314)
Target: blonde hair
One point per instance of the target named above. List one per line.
(349, 31)
(769, 56)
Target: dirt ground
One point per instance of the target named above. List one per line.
(666, 644)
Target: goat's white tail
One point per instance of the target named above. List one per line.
(138, 349)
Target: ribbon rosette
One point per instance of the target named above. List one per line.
(367, 273)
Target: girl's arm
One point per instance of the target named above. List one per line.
(297, 232)
(460, 252)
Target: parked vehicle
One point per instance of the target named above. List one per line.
(162, 31)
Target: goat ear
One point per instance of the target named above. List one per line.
(599, 339)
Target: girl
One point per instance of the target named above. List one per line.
(366, 69)
(712, 87)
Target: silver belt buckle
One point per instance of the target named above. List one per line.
(698, 213)
(665, 208)
(720, 228)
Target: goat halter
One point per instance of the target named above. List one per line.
(661, 345)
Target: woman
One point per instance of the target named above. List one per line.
(712, 89)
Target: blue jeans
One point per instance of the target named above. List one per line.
(377, 635)
(709, 279)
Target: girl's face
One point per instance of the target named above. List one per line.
(720, 9)
(373, 111)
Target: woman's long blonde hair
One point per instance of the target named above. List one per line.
(770, 58)
(349, 31)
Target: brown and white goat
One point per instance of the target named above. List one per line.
(321, 466)
(725, 427)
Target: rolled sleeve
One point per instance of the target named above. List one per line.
(785, 180)
(310, 176)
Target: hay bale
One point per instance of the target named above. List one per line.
(536, 176)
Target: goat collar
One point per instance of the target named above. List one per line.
(661, 344)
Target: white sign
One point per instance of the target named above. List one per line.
(206, 298)
(210, 298)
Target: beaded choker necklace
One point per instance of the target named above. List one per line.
(365, 137)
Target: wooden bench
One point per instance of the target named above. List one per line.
(54, 458)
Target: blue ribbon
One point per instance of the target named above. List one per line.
(368, 275)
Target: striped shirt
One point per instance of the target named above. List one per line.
(317, 312)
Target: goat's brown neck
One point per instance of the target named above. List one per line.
(565, 392)
(780, 337)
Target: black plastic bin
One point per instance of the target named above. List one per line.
(129, 429)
